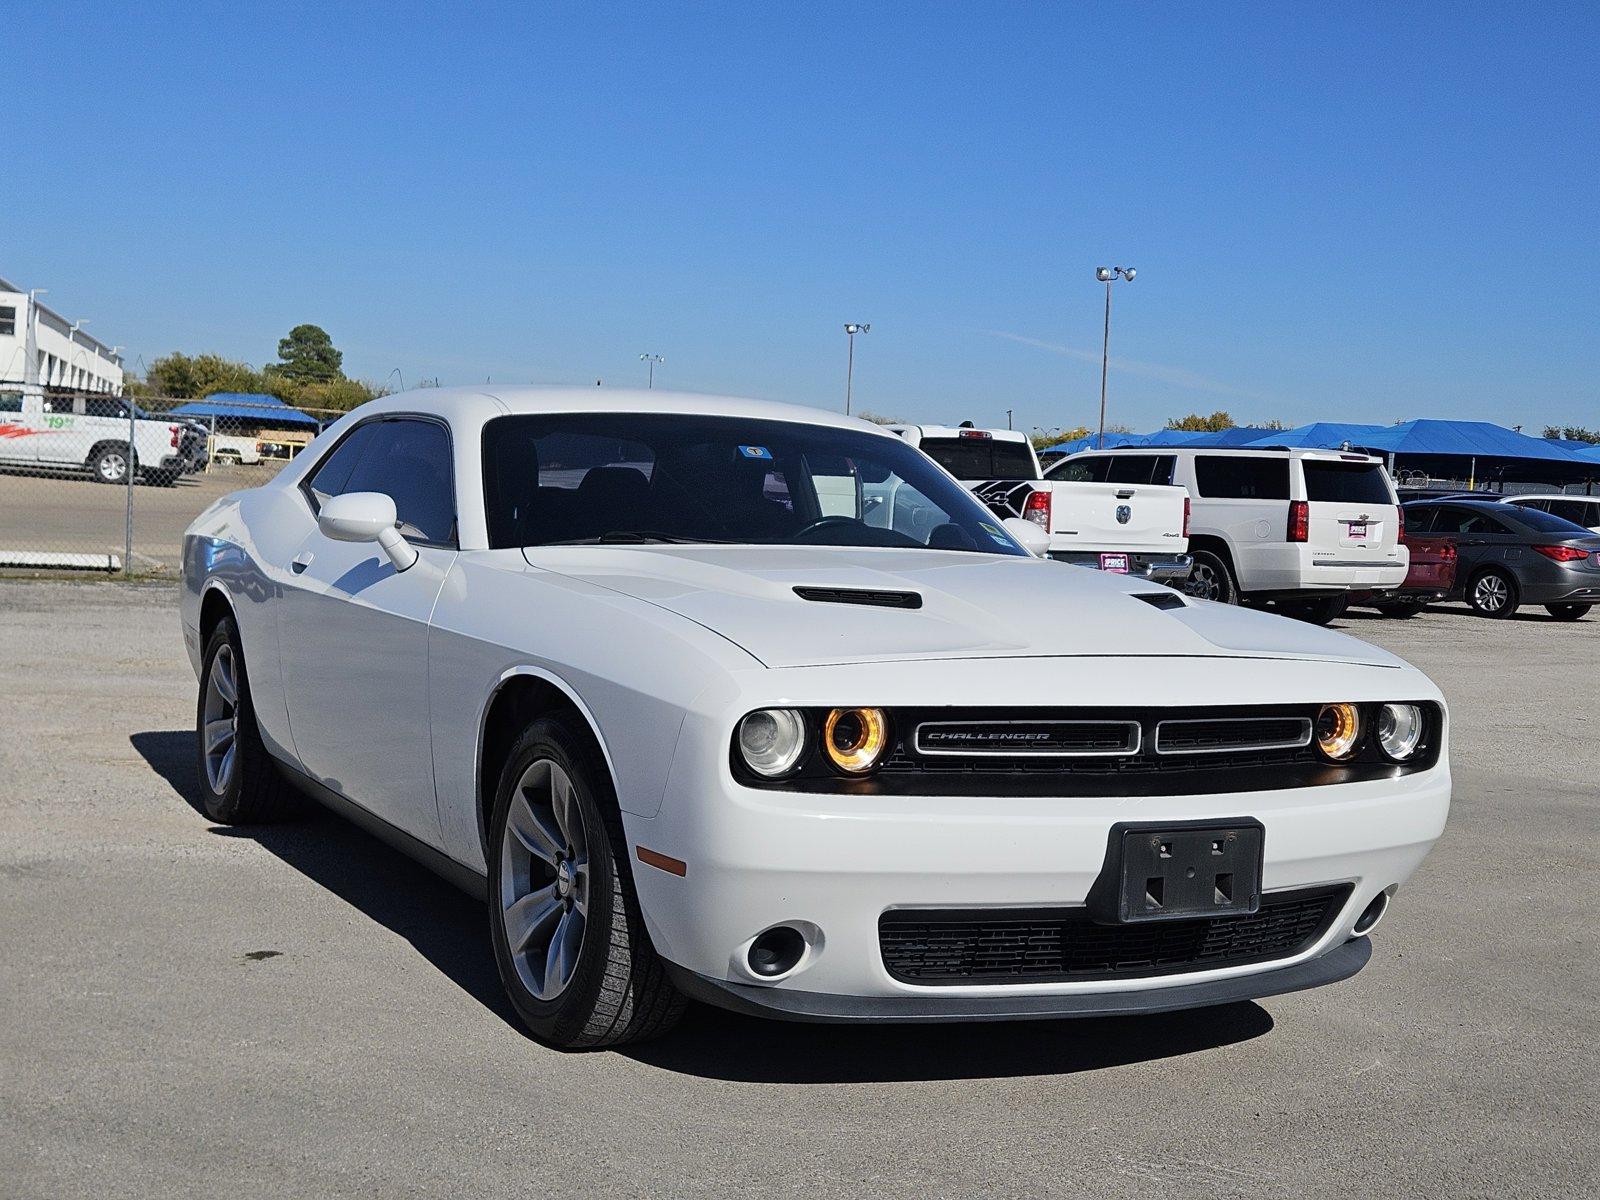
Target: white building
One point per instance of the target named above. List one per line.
(40, 346)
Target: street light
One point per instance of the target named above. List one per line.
(851, 329)
(652, 359)
(1107, 276)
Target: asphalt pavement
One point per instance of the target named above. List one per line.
(296, 1011)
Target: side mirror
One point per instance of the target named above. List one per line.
(367, 517)
(1034, 540)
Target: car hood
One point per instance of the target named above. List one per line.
(971, 606)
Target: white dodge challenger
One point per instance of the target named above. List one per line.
(667, 681)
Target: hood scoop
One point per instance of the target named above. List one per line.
(871, 597)
(1161, 600)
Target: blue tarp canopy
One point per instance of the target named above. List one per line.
(1466, 439)
(1320, 435)
(1239, 435)
(247, 406)
(1091, 442)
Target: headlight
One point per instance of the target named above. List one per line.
(772, 740)
(1338, 730)
(855, 738)
(1399, 730)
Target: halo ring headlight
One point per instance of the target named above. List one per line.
(772, 741)
(1399, 728)
(1338, 731)
(855, 739)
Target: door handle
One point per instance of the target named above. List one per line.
(301, 561)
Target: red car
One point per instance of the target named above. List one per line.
(1432, 575)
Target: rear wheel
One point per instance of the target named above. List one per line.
(569, 938)
(239, 783)
(1568, 612)
(110, 464)
(1492, 593)
(1318, 611)
(1210, 579)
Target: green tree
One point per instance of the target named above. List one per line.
(190, 378)
(1573, 433)
(1195, 422)
(308, 354)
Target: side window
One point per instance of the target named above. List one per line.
(1482, 523)
(409, 461)
(1166, 466)
(1081, 470)
(100, 407)
(1420, 520)
(11, 402)
(1242, 477)
(329, 479)
(1449, 520)
(1141, 468)
(1575, 511)
(58, 404)
(8, 323)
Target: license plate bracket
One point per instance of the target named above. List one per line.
(1170, 871)
(1116, 564)
(1357, 530)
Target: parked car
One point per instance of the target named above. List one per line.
(1580, 510)
(605, 659)
(1430, 578)
(1130, 526)
(1512, 555)
(236, 449)
(1299, 529)
(61, 431)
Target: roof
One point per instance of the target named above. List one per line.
(246, 406)
(1462, 439)
(955, 431)
(106, 351)
(1326, 435)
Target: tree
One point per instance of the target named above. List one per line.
(1044, 439)
(1194, 422)
(308, 355)
(190, 378)
(1573, 433)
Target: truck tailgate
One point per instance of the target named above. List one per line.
(1117, 516)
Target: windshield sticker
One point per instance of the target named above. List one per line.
(999, 537)
(756, 452)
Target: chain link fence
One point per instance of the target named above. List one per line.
(95, 482)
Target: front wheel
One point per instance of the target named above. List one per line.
(1568, 612)
(1493, 594)
(239, 784)
(1210, 579)
(568, 935)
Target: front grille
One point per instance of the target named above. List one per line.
(988, 946)
(1216, 736)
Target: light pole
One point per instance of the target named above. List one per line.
(851, 329)
(1107, 276)
(652, 359)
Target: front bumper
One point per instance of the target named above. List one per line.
(1158, 568)
(1021, 1004)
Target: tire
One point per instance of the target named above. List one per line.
(1493, 593)
(1319, 611)
(1210, 578)
(239, 783)
(1568, 612)
(1399, 612)
(110, 464)
(584, 973)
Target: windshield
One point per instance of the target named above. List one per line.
(644, 477)
(981, 457)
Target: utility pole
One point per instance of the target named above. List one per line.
(1107, 276)
(851, 329)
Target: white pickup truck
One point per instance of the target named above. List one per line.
(54, 431)
(1136, 526)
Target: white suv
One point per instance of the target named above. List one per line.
(1298, 528)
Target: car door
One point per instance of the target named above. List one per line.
(353, 631)
(18, 431)
(59, 435)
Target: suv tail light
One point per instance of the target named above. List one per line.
(1299, 521)
(1186, 507)
(173, 429)
(1037, 509)
(1400, 523)
(1563, 553)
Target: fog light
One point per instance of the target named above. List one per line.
(1399, 730)
(776, 951)
(1338, 730)
(855, 738)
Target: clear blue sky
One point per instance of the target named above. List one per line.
(1355, 212)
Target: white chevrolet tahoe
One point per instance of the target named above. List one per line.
(53, 431)
(1299, 529)
(1129, 526)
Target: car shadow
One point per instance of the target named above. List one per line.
(447, 928)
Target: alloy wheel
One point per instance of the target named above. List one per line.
(544, 879)
(113, 468)
(1490, 593)
(220, 725)
(1203, 582)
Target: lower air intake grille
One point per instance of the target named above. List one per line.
(988, 946)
